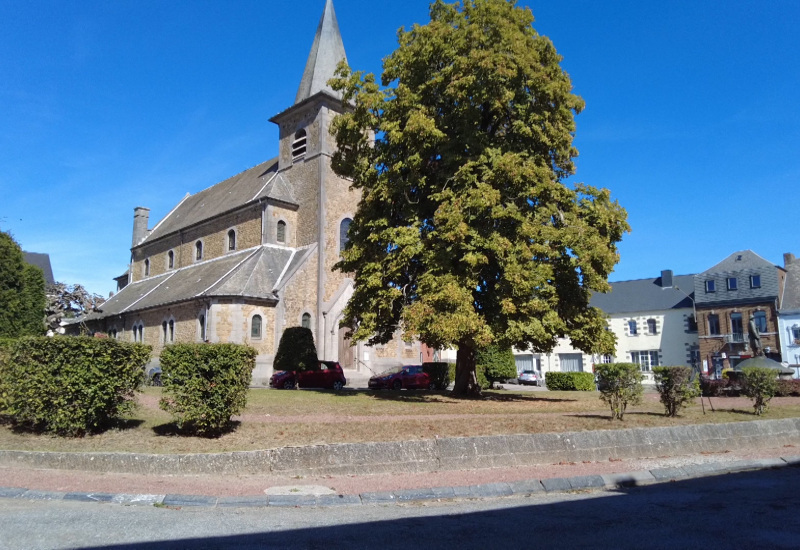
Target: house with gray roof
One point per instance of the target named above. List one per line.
(789, 314)
(252, 255)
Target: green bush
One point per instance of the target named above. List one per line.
(496, 364)
(620, 385)
(676, 387)
(296, 351)
(206, 384)
(439, 374)
(569, 381)
(761, 385)
(71, 386)
(5, 364)
(482, 380)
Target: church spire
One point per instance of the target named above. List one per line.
(326, 52)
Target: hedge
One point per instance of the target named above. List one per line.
(496, 364)
(296, 351)
(206, 384)
(786, 388)
(569, 381)
(70, 386)
(439, 374)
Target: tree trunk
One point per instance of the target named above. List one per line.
(466, 384)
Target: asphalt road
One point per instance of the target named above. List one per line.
(749, 510)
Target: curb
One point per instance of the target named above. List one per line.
(489, 490)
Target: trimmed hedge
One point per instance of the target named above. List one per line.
(620, 385)
(676, 387)
(496, 364)
(569, 381)
(439, 374)
(206, 384)
(70, 386)
(296, 351)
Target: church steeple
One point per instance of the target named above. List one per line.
(326, 52)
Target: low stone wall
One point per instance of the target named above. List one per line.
(435, 454)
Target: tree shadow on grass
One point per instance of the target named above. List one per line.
(171, 429)
(118, 424)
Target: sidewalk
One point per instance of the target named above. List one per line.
(352, 490)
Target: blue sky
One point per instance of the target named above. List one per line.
(691, 118)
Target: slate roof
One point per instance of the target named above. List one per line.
(42, 261)
(791, 289)
(254, 273)
(326, 52)
(744, 259)
(258, 182)
(645, 295)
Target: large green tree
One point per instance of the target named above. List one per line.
(22, 294)
(466, 233)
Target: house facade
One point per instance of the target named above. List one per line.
(252, 255)
(741, 286)
(789, 315)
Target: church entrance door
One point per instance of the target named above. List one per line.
(346, 355)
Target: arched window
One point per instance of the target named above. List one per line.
(280, 232)
(147, 267)
(198, 250)
(170, 259)
(164, 331)
(299, 145)
(231, 240)
(201, 321)
(138, 332)
(171, 330)
(344, 228)
(306, 322)
(255, 327)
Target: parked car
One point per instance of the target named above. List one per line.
(408, 376)
(530, 378)
(329, 374)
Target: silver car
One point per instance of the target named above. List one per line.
(529, 377)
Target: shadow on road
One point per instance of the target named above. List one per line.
(746, 510)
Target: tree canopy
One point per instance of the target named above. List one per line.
(22, 294)
(466, 233)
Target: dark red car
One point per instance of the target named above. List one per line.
(408, 376)
(328, 375)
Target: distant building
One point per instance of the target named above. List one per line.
(789, 314)
(41, 261)
(246, 258)
(726, 295)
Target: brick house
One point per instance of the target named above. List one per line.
(742, 285)
(246, 258)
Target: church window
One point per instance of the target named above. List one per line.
(201, 321)
(299, 145)
(231, 240)
(281, 232)
(255, 327)
(138, 332)
(198, 250)
(306, 322)
(170, 259)
(344, 228)
(147, 267)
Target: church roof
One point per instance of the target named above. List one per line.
(258, 182)
(254, 273)
(41, 261)
(326, 53)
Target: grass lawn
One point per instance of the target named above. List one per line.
(277, 418)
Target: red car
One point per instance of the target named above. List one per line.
(328, 375)
(409, 376)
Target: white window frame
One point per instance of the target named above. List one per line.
(646, 359)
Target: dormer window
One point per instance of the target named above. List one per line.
(732, 283)
(299, 145)
(710, 286)
(755, 281)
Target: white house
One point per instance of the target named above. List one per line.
(789, 315)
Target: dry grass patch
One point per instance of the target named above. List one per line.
(275, 418)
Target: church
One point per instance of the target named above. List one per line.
(252, 255)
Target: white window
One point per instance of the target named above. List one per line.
(571, 362)
(710, 286)
(632, 329)
(732, 283)
(645, 359)
(755, 281)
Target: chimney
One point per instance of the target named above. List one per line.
(141, 216)
(788, 258)
(666, 278)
